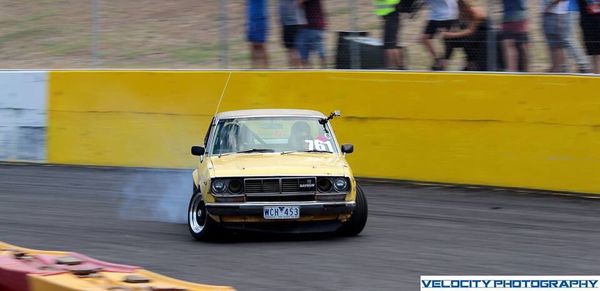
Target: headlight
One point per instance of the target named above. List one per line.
(324, 184)
(218, 186)
(340, 184)
(236, 186)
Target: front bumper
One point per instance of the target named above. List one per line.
(256, 208)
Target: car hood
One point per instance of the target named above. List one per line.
(276, 164)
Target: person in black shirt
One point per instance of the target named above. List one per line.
(590, 27)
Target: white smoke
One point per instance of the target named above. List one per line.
(156, 195)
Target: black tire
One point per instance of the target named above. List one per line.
(358, 220)
(200, 225)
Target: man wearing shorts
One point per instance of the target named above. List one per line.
(554, 23)
(515, 39)
(443, 14)
(292, 21)
(388, 10)
(256, 32)
(311, 37)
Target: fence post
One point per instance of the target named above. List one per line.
(491, 40)
(354, 51)
(95, 24)
(223, 35)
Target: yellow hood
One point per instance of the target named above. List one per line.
(276, 164)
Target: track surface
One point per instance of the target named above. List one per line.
(411, 231)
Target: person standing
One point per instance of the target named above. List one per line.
(388, 11)
(515, 38)
(573, 48)
(554, 23)
(292, 20)
(443, 14)
(311, 38)
(257, 28)
(589, 19)
(472, 36)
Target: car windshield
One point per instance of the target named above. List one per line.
(272, 134)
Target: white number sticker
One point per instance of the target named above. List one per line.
(319, 145)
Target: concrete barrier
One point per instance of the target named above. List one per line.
(24, 269)
(529, 131)
(23, 100)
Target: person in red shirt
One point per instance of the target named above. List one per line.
(311, 37)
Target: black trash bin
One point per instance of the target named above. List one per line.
(369, 51)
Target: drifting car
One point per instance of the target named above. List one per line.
(276, 170)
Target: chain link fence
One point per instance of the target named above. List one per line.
(192, 34)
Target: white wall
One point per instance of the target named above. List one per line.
(23, 115)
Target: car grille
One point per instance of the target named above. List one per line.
(280, 185)
(280, 189)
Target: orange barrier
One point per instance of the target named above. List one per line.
(24, 269)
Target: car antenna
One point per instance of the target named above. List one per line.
(223, 93)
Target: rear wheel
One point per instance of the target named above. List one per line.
(201, 226)
(358, 220)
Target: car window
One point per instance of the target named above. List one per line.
(208, 132)
(276, 134)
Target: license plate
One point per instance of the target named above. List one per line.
(281, 212)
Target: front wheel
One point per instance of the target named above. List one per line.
(201, 226)
(358, 220)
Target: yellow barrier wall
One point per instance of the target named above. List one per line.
(530, 131)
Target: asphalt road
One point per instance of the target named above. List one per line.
(131, 216)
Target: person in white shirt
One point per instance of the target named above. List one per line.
(443, 14)
(554, 23)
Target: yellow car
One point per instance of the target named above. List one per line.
(276, 170)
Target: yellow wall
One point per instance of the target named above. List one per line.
(520, 131)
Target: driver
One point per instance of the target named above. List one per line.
(299, 133)
(229, 142)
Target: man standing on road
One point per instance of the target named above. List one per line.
(257, 27)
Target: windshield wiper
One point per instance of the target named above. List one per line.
(256, 151)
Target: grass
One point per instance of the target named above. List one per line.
(196, 54)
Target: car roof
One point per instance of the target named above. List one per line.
(269, 112)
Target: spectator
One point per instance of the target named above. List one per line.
(443, 14)
(388, 10)
(311, 38)
(292, 21)
(554, 22)
(471, 36)
(573, 48)
(515, 39)
(257, 29)
(589, 19)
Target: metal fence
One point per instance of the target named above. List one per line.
(193, 34)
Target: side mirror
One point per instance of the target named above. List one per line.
(197, 151)
(347, 148)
